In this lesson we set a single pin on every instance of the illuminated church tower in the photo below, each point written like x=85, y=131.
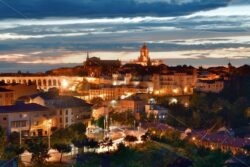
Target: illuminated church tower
x=144, y=56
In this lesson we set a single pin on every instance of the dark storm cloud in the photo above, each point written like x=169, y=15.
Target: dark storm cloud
x=103, y=8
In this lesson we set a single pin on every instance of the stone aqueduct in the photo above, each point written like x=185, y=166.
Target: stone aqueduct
x=46, y=82
x=43, y=82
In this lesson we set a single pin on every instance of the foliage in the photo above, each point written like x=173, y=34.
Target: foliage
x=212, y=158
x=144, y=138
x=83, y=86
x=88, y=160
x=199, y=155
x=39, y=151
x=107, y=142
x=100, y=122
x=92, y=144
x=80, y=144
x=130, y=138
x=62, y=148
x=11, y=151
x=207, y=110
x=14, y=137
x=123, y=118
x=97, y=101
x=65, y=136
x=78, y=129
x=2, y=138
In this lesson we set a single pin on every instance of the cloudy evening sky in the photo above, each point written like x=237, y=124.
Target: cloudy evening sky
x=37, y=35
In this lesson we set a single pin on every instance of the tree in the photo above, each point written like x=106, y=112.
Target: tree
x=80, y=144
x=83, y=86
x=62, y=135
x=39, y=151
x=97, y=101
x=93, y=144
x=213, y=158
x=123, y=118
x=144, y=138
x=14, y=137
x=2, y=139
x=100, y=122
x=62, y=148
x=11, y=151
x=107, y=142
x=130, y=138
x=78, y=129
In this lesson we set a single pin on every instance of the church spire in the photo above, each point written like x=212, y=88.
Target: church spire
x=87, y=56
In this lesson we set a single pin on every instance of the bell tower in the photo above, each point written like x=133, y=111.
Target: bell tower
x=144, y=57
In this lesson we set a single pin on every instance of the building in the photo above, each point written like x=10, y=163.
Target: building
x=144, y=58
x=220, y=140
x=214, y=86
x=6, y=97
x=157, y=111
x=28, y=119
x=134, y=103
x=95, y=67
x=109, y=92
x=20, y=89
x=173, y=83
x=43, y=82
x=100, y=111
x=69, y=109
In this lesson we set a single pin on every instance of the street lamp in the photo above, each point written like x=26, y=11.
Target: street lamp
x=49, y=124
x=65, y=83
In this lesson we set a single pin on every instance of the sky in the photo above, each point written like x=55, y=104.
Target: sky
x=38, y=35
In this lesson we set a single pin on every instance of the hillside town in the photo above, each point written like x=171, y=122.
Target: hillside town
x=115, y=100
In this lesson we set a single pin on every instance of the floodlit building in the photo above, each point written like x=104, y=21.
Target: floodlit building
x=95, y=67
x=214, y=86
x=115, y=92
x=133, y=103
x=69, y=109
x=27, y=119
x=173, y=83
x=20, y=89
x=144, y=58
x=158, y=111
x=6, y=97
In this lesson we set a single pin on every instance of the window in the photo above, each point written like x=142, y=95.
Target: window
x=66, y=119
x=4, y=118
x=66, y=112
x=17, y=124
x=60, y=120
x=23, y=123
x=60, y=112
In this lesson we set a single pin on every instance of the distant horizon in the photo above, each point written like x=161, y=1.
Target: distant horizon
x=195, y=32
x=40, y=67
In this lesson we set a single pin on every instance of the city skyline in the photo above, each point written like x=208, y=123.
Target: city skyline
x=192, y=32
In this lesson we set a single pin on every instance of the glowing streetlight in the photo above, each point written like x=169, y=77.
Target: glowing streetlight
x=173, y=101
x=113, y=103
x=175, y=91
x=185, y=90
x=49, y=125
x=65, y=83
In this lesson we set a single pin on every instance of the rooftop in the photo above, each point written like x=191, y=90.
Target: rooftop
x=5, y=90
x=21, y=107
